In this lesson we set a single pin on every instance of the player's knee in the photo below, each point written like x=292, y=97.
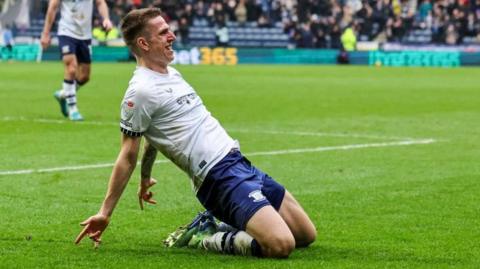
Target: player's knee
x=309, y=237
x=71, y=69
x=306, y=236
x=280, y=246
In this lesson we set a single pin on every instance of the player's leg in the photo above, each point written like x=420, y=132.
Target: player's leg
x=271, y=232
x=67, y=96
x=83, y=74
x=84, y=56
x=239, y=199
x=69, y=88
x=289, y=209
x=249, y=200
x=298, y=221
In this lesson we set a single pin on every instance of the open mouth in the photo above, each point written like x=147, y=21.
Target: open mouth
x=169, y=47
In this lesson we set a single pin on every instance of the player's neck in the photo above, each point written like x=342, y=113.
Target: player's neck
x=160, y=68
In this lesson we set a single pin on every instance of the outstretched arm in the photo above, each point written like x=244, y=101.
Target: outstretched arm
x=124, y=166
x=49, y=19
x=148, y=159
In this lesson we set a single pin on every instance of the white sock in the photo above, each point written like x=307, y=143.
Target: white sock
x=237, y=243
x=69, y=91
x=223, y=227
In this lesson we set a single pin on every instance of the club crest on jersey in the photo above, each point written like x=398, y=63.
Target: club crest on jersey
x=128, y=108
x=257, y=196
x=65, y=49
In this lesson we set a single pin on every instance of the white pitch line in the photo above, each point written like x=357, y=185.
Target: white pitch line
x=259, y=153
x=64, y=168
x=233, y=130
x=8, y=118
x=344, y=147
x=327, y=134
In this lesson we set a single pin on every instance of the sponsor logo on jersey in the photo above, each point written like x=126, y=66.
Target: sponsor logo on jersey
x=202, y=164
x=257, y=196
x=128, y=107
x=186, y=98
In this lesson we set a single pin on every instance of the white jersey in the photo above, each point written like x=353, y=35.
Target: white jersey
x=168, y=112
x=76, y=19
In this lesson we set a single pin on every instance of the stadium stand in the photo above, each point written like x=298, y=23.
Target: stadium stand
x=302, y=23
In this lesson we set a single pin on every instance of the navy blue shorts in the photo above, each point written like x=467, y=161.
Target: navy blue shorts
x=81, y=48
x=234, y=190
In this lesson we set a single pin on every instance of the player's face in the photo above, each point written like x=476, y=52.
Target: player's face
x=160, y=40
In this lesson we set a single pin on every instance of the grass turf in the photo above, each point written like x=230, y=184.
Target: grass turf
x=374, y=207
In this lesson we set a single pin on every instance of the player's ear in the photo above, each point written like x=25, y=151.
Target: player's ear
x=142, y=43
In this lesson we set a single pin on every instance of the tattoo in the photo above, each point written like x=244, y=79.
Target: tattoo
x=147, y=160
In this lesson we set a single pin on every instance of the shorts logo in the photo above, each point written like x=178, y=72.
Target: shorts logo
x=257, y=196
x=65, y=49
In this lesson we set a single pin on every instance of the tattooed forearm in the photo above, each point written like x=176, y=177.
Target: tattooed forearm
x=149, y=155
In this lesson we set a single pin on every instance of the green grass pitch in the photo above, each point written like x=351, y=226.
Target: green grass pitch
x=384, y=160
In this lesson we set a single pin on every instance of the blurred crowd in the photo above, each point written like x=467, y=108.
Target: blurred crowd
x=321, y=23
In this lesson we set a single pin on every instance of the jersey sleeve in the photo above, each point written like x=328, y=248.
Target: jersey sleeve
x=136, y=111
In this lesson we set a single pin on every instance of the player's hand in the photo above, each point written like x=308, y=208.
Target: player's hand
x=94, y=227
x=144, y=194
x=107, y=25
x=45, y=40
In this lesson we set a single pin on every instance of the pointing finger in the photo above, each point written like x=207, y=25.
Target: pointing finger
x=85, y=222
x=81, y=235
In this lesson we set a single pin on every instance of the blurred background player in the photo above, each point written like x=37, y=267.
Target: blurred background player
x=74, y=37
x=161, y=106
x=8, y=41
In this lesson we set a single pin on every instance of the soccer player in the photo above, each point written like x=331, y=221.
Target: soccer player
x=162, y=107
x=9, y=42
x=74, y=40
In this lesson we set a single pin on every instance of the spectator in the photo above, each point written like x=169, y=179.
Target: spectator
x=183, y=30
x=230, y=10
x=424, y=10
x=349, y=40
x=306, y=36
x=241, y=12
x=263, y=21
x=381, y=20
x=98, y=33
x=221, y=34
x=253, y=10
x=8, y=42
x=451, y=35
